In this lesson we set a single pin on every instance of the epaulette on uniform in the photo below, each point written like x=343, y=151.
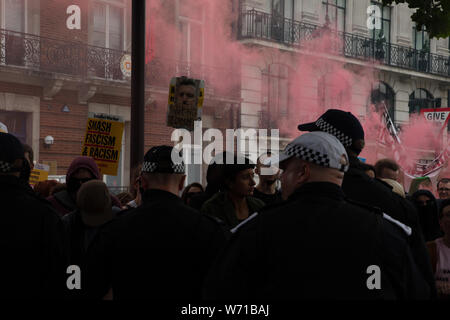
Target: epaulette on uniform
x=385, y=216
x=253, y=216
x=370, y=208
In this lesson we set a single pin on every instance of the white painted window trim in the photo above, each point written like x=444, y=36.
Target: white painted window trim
x=3, y=15
x=108, y=4
x=201, y=23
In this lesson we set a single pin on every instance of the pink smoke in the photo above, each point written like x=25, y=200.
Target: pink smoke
x=345, y=86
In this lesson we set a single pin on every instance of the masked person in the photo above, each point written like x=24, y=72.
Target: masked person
x=81, y=170
x=359, y=187
x=315, y=244
x=33, y=262
x=160, y=250
x=427, y=208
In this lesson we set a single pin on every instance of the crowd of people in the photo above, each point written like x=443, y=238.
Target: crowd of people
x=319, y=224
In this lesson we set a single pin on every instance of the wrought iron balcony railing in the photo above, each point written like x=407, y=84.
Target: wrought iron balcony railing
x=59, y=56
x=81, y=60
x=259, y=25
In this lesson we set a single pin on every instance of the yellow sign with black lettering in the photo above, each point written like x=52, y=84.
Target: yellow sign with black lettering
x=103, y=143
x=39, y=173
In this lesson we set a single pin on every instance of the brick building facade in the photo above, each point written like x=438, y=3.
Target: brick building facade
x=52, y=76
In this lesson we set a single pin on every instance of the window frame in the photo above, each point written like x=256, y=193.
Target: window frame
x=189, y=21
x=122, y=4
x=424, y=35
x=334, y=4
x=273, y=105
x=413, y=97
x=383, y=19
x=388, y=96
x=3, y=16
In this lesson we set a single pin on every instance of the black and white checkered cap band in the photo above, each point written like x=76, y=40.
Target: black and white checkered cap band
x=328, y=128
x=5, y=167
x=308, y=155
x=151, y=167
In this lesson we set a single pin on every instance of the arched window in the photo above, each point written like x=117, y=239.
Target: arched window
x=420, y=99
x=275, y=92
x=333, y=92
x=382, y=95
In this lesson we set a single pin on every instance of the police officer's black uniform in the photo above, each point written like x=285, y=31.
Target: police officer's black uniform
x=360, y=187
x=316, y=245
x=161, y=250
x=33, y=263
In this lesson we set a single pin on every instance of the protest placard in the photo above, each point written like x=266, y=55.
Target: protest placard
x=103, y=142
x=39, y=173
x=186, y=98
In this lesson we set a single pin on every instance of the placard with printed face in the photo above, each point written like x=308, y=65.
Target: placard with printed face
x=186, y=97
x=103, y=142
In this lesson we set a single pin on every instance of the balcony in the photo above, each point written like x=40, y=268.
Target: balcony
x=57, y=56
x=84, y=62
x=262, y=26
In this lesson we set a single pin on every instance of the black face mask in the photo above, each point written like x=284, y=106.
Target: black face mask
x=73, y=185
x=25, y=172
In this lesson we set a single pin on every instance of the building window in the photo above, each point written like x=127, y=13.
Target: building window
x=12, y=18
x=282, y=16
x=13, y=15
x=421, y=39
x=420, y=99
x=383, y=96
x=275, y=93
x=335, y=10
x=107, y=27
x=191, y=22
x=16, y=122
x=333, y=92
x=383, y=34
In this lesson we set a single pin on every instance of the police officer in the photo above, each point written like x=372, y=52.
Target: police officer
x=160, y=250
x=360, y=187
x=315, y=244
x=31, y=238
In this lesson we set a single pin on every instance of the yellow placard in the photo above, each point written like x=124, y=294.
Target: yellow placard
x=103, y=143
x=39, y=173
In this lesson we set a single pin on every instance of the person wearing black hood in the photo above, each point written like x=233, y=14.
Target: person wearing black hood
x=81, y=170
x=359, y=187
x=427, y=208
x=214, y=175
x=31, y=241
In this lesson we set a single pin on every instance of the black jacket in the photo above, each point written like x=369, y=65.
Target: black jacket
x=360, y=187
x=161, y=250
x=33, y=263
x=314, y=246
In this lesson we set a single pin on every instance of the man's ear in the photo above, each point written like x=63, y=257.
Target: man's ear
x=181, y=183
x=303, y=174
x=144, y=181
